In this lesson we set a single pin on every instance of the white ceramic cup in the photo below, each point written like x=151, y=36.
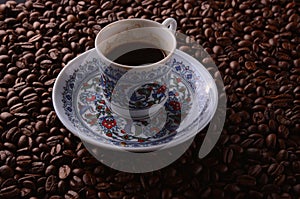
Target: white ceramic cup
x=135, y=91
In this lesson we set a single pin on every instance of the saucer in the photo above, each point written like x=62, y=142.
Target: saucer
x=79, y=103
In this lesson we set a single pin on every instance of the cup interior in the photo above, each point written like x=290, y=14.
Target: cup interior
x=137, y=34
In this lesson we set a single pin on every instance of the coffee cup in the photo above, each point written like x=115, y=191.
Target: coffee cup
x=134, y=56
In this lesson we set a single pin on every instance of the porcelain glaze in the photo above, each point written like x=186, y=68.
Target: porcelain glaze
x=80, y=105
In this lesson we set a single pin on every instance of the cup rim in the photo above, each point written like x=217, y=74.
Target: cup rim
x=142, y=66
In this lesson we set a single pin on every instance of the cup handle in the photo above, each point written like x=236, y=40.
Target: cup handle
x=171, y=24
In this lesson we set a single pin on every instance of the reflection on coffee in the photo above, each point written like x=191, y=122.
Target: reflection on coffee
x=136, y=54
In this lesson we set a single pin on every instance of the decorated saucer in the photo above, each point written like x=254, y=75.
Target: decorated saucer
x=79, y=103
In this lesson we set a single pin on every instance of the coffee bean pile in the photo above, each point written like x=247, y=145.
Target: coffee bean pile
x=256, y=46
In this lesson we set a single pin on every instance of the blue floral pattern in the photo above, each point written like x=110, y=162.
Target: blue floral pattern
x=132, y=80
x=85, y=107
x=147, y=95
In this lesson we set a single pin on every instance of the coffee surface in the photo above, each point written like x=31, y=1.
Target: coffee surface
x=136, y=54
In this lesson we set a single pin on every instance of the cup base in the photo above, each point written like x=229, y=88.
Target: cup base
x=143, y=114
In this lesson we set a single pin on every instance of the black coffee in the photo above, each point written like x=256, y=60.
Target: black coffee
x=136, y=54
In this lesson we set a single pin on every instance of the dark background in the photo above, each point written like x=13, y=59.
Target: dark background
x=256, y=46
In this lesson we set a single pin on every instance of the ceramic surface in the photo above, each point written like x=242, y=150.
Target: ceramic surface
x=148, y=88
x=80, y=105
x=129, y=31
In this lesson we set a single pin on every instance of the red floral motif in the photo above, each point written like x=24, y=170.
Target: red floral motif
x=149, y=88
x=91, y=99
x=109, y=134
x=109, y=123
x=161, y=89
x=125, y=137
x=175, y=105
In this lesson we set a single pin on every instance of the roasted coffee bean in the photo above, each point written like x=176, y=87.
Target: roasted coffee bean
x=228, y=155
x=116, y=194
x=234, y=65
x=271, y=140
x=250, y=65
x=255, y=170
x=76, y=183
x=64, y=171
x=55, y=150
x=297, y=63
x=56, y=197
x=24, y=160
x=28, y=183
x=275, y=169
x=218, y=50
x=6, y=171
x=57, y=160
x=103, y=195
x=9, y=192
x=246, y=180
x=17, y=108
x=224, y=41
x=51, y=169
x=89, y=179
x=37, y=167
x=12, y=101
x=51, y=184
x=282, y=155
x=40, y=126
x=6, y=116
x=103, y=186
x=50, y=120
x=8, y=182
x=123, y=177
x=62, y=186
x=244, y=43
x=71, y=195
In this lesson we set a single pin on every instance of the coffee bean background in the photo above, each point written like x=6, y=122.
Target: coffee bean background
x=256, y=46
